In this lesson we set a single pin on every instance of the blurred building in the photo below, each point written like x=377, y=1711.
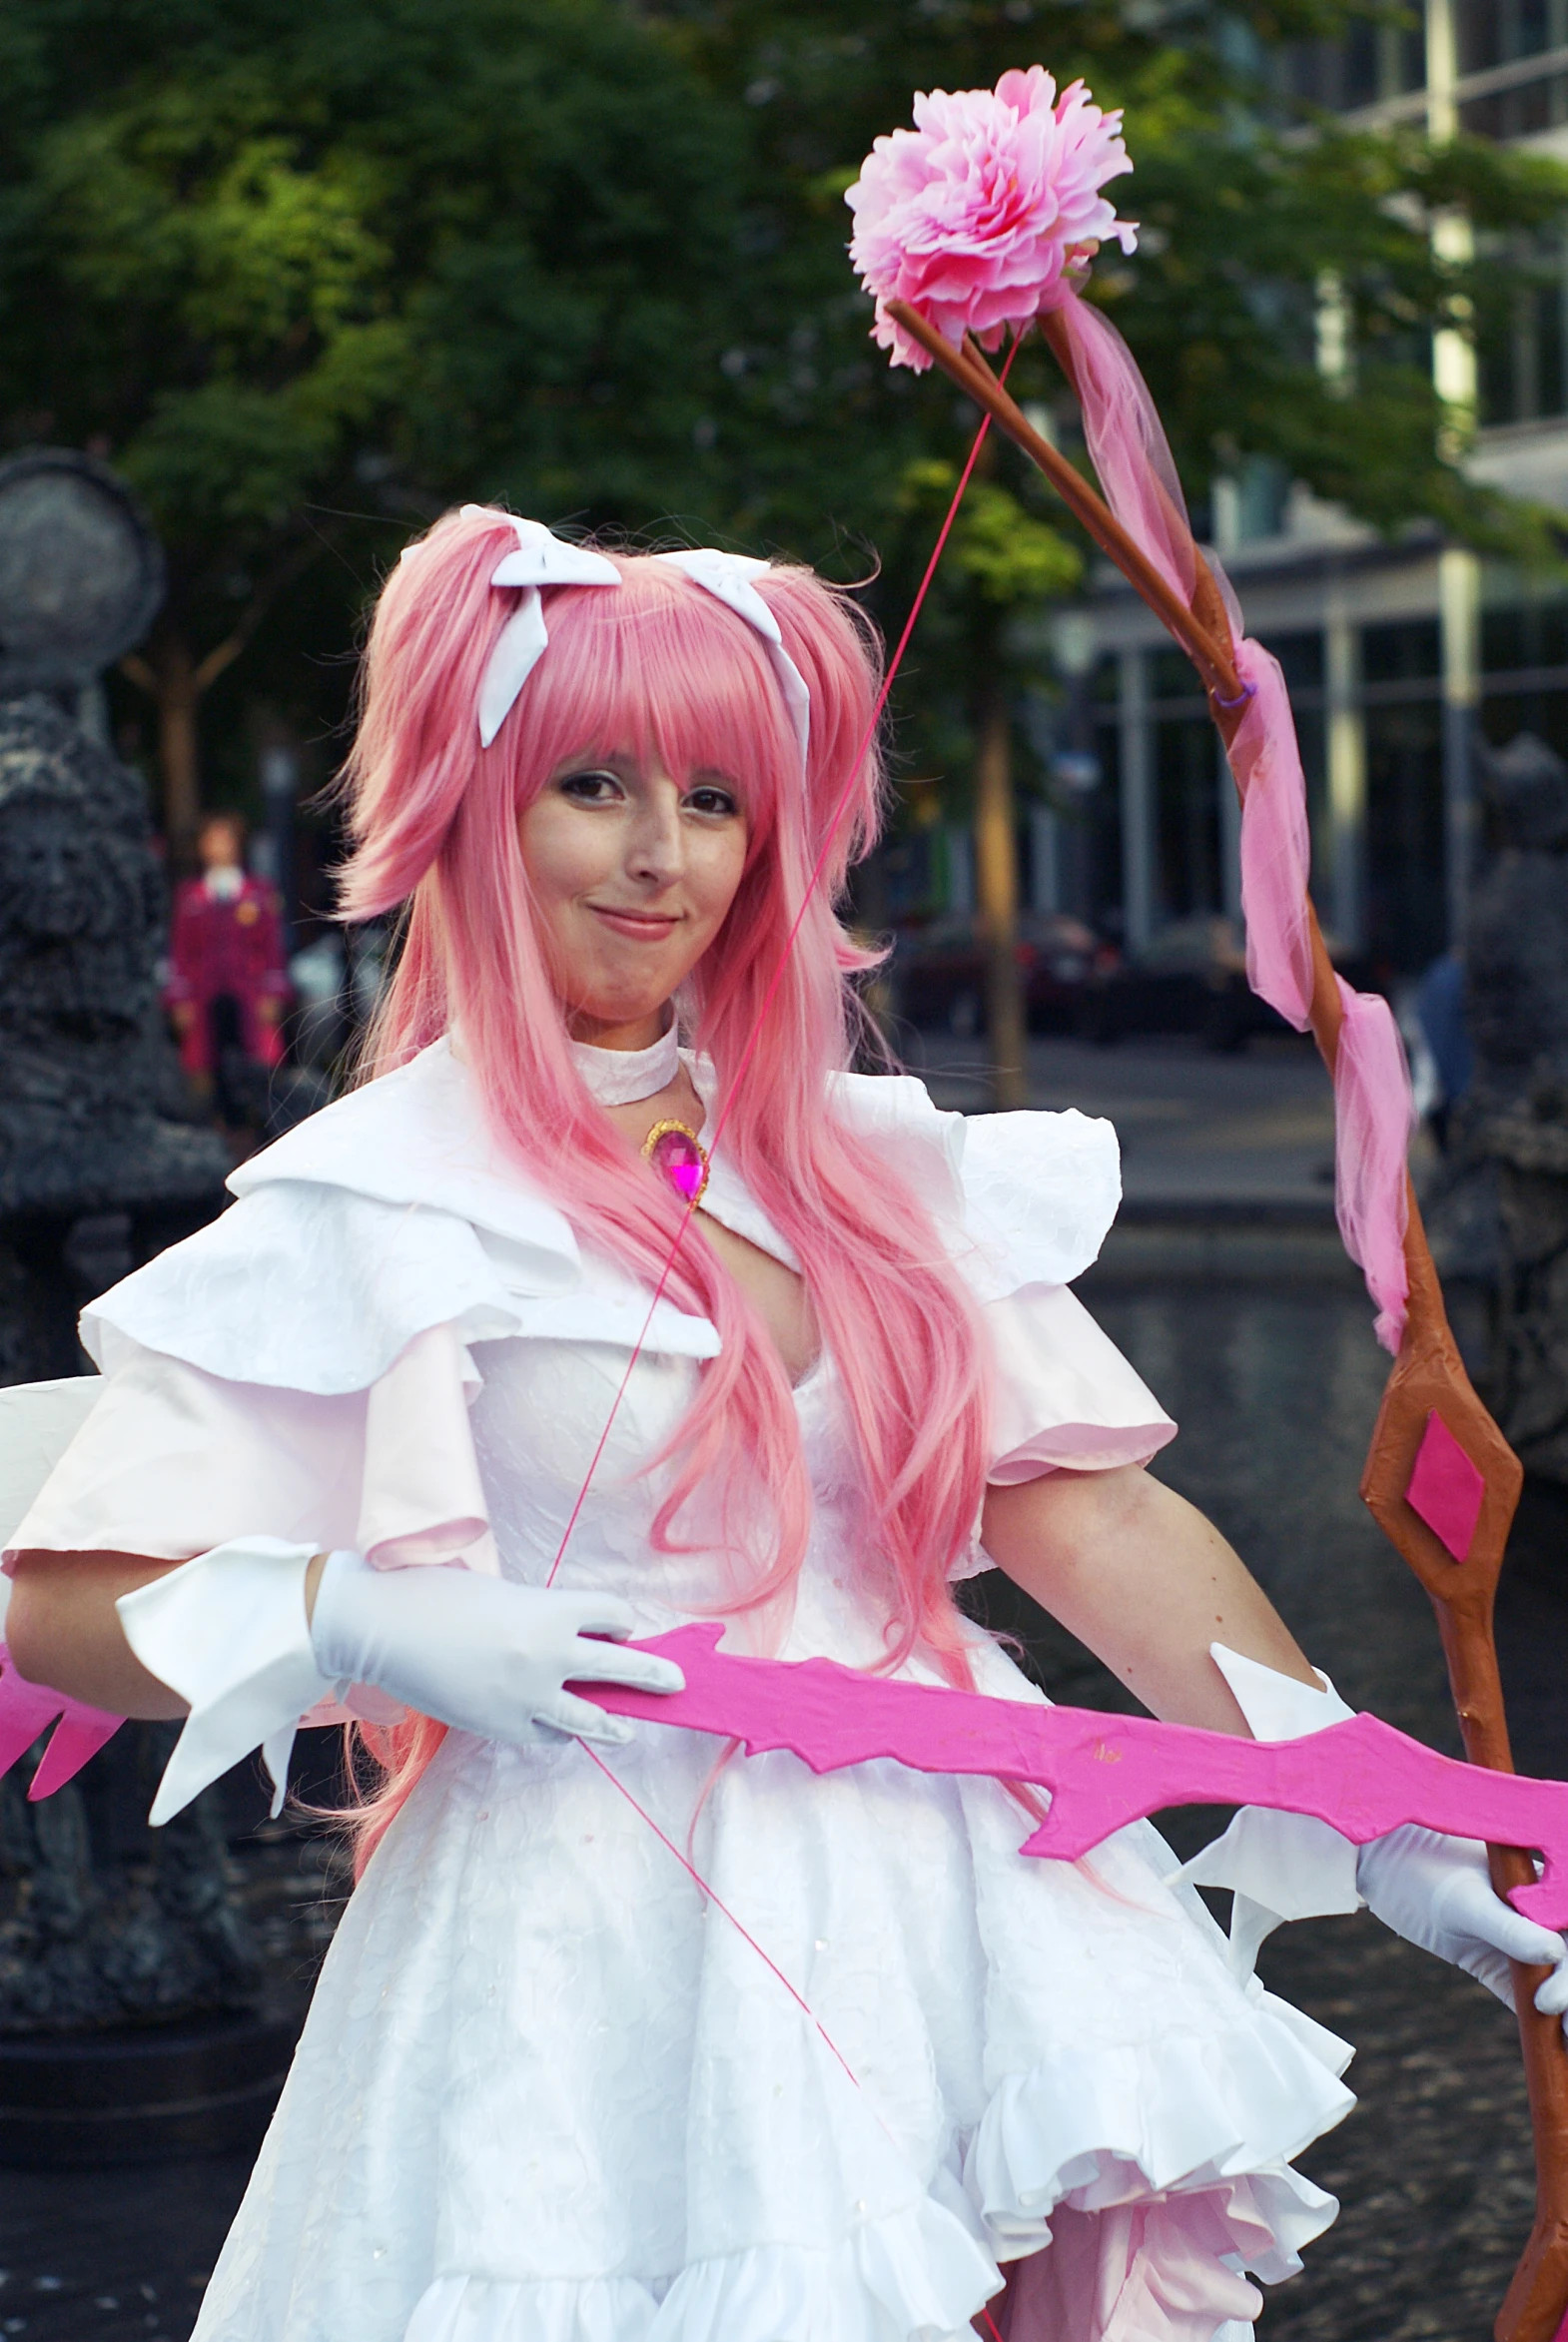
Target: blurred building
x=1396, y=654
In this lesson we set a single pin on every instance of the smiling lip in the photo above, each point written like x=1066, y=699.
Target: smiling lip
x=644, y=925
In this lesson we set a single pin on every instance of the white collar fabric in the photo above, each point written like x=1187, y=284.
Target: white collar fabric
x=620, y=1076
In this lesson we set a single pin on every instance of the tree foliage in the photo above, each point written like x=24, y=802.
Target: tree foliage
x=306, y=274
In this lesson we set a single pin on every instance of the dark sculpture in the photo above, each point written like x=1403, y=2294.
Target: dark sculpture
x=1510, y=1192
x=84, y=1064
x=105, y=1920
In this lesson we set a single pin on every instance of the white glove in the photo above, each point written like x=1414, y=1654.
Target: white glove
x=1435, y=1892
x=1430, y=1889
x=479, y=1653
x=228, y=1632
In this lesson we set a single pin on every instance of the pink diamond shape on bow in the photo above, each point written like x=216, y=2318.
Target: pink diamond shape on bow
x=1445, y=1487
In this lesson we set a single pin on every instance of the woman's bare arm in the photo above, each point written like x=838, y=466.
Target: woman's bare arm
x=1141, y=1576
x=63, y=1630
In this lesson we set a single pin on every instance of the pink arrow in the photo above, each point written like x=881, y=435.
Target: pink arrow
x=1362, y=1777
x=27, y=1709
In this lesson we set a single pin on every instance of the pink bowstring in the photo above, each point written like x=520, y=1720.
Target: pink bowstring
x=719, y=1905
x=1373, y=1107
x=818, y=871
x=28, y=1708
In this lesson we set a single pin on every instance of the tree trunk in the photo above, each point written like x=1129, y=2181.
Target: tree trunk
x=995, y=887
x=178, y=694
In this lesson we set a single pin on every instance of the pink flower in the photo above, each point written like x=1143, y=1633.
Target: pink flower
x=980, y=215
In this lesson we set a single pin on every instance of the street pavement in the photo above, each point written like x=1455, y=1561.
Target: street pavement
x=1266, y=1356
x=1247, y=1133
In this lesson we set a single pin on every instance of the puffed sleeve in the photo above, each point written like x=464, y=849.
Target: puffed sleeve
x=1040, y=1191
x=1024, y=1205
x=1023, y=1202
x=300, y=1369
x=171, y=1461
x=303, y=1369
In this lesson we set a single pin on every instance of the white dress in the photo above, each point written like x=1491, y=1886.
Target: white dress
x=551, y=2088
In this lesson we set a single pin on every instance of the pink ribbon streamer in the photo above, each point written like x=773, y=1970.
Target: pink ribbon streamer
x=1374, y=1115
x=1374, y=1110
x=1276, y=848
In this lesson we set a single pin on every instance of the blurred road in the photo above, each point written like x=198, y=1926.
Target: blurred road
x=1243, y=1316
x=1249, y=1133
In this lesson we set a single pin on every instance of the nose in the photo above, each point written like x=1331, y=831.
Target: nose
x=656, y=845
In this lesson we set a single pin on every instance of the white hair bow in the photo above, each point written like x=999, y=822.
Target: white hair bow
x=541, y=559
x=728, y=578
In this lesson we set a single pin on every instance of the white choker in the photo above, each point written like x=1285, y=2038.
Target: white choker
x=619, y=1077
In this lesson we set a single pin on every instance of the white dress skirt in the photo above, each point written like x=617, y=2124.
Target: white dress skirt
x=642, y=2046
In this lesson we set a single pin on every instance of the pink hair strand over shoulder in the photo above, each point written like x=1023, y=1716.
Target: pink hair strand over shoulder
x=661, y=665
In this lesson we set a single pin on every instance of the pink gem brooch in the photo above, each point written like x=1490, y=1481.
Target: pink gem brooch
x=676, y=1151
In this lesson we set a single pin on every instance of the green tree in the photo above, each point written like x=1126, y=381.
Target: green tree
x=1003, y=556
x=305, y=275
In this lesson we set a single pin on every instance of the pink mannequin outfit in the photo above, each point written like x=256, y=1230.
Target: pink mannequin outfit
x=548, y=2092
x=226, y=942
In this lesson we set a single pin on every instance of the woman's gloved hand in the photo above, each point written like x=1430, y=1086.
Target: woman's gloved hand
x=478, y=1653
x=1432, y=1890
x=1436, y=1892
x=230, y=1632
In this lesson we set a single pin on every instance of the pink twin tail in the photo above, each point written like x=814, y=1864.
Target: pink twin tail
x=665, y=1273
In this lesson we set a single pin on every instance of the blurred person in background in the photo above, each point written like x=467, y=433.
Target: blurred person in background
x=227, y=983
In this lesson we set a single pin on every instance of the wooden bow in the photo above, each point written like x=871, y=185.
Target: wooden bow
x=1428, y=1377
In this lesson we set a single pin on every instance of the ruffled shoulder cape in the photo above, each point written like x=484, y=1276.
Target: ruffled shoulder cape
x=302, y=1365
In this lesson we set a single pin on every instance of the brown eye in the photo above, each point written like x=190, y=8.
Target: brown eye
x=713, y=801
x=590, y=788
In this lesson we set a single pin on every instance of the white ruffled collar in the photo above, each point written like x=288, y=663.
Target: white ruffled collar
x=1021, y=1199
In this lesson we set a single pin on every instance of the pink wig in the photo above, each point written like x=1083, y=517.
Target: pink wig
x=660, y=664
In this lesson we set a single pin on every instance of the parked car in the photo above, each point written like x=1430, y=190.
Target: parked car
x=1189, y=978
x=939, y=970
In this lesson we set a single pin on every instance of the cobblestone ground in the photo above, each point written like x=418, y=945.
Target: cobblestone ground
x=1275, y=1389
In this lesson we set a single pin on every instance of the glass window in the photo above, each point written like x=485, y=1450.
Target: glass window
x=1516, y=113
x=1358, y=75
x=1545, y=713
x=1097, y=818
x=1523, y=333
x=1368, y=66
x=1495, y=32
x=1300, y=656
x=1406, y=906
x=1406, y=652
x=1524, y=634
x=1187, y=818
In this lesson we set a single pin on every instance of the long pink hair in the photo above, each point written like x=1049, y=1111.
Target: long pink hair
x=660, y=664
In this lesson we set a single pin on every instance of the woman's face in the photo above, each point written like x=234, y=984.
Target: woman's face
x=632, y=874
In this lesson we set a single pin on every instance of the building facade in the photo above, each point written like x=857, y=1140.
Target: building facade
x=1404, y=659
